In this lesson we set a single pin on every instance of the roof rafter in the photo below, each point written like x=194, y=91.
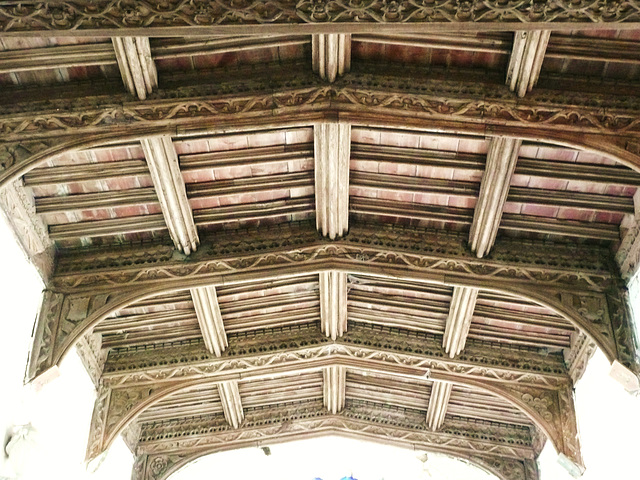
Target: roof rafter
x=528, y=52
x=331, y=55
x=334, y=388
x=165, y=172
x=231, y=402
x=438, y=402
x=463, y=302
x=136, y=65
x=205, y=302
x=333, y=303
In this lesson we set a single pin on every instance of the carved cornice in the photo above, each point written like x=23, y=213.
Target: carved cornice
x=399, y=425
x=157, y=17
x=290, y=347
x=300, y=91
x=441, y=252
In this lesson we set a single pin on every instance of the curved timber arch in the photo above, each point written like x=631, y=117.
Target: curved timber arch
x=79, y=309
x=365, y=99
x=549, y=410
x=502, y=468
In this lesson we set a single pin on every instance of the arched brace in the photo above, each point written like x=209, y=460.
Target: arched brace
x=442, y=109
x=65, y=317
x=550, y=409
x=160, y=466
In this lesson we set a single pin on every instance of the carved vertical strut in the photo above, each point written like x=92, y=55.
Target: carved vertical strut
x=205, y=301
x=331, y=55
x=334, y=388
x=463, y=301
x=501, y=162
x=332, y=144
x=333, y=303
x=165, y=172
x=526, y=60
x=628, y=254
x=231, y=402
x=438, y=402
x=136, y=65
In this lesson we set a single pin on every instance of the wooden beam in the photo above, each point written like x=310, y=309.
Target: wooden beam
x=333, y=303
x=205, y=302
x=104, y=18
x=165, y=172
x=332, y=143
x=463, y=302
x=438, y=402
x=501, y=163
x=173, y=446
x=334, y=388
x=136, y=65
x=526, y=60
x=231, y=402
x=331, y=55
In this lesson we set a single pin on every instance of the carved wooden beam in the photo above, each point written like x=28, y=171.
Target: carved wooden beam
x=463, y=302
x=165, y=172
x=438, y=402
x=88, y=288
x=205, y=301
x=72, y=17
x=526, y=60
x=501, y=163
x=333, y=303
x=506, y=452
x=231, y=402
x=549, y=408
x=34, y=132
x=334, y=387
x=332, y=143
x=331, y=55
x=137, y=68
x=628, y=254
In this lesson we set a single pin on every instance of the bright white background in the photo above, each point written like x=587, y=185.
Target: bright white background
x=609, y=419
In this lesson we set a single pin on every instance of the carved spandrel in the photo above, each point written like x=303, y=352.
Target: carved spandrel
x=554, y=412
x=508, y=468
x=156, y=467
x=63, y=319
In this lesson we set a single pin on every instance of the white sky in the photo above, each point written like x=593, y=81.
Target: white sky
x=609, y=420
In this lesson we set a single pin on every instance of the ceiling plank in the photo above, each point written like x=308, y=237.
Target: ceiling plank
x=526, y=60
x=231, y=402
x=332, y=144
x=333, y=303
x=205, y=302
x=165, y=172
x=501, y=163
x=438, y=402
x=463, y=302
x=136, y=65
x=334, y=388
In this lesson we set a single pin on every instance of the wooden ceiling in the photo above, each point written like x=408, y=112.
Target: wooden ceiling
x=459, y=364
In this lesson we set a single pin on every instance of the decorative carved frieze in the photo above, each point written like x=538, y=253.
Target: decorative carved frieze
x=331, y=55
x=390, y=100
x=165, y=17
x=463, y=302
x=285, y=422
x=333, y=303
x=438, y=402
x=334, y=385
x=205, y=302
x=526, y=59
x=293, y=345
x=332, y=143
x=162, y=160
x=501, y=163
x=140, y=389
x=137, y=68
